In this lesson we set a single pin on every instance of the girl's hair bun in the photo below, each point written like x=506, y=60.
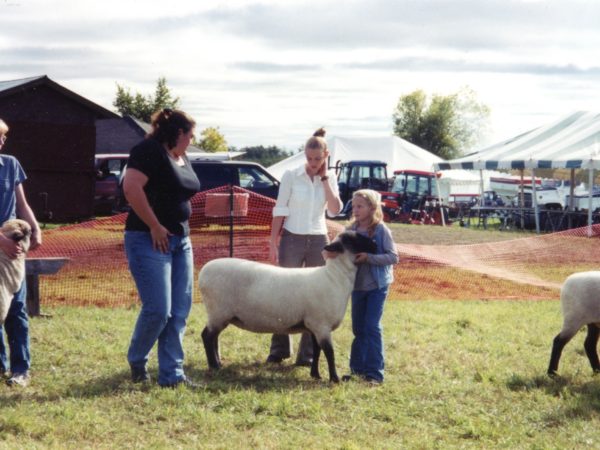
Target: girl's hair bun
x=320, y=132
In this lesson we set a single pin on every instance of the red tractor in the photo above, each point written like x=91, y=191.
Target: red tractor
x=414, y=199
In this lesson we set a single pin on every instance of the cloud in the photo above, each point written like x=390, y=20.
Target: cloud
x=462, y=25
x=267, y=71
x=268, y=67
x=448, y=65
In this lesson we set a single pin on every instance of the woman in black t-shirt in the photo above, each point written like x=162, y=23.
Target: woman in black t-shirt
x=158, y=185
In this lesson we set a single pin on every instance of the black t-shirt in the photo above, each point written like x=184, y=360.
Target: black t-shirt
x=169, y=187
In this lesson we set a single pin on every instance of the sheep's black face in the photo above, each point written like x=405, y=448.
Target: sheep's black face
x=353, y=243
x=16, y=229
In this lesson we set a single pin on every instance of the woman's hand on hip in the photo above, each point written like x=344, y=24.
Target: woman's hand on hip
x=160, y=238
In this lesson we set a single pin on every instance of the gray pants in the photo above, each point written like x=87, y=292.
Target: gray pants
x=298, y=250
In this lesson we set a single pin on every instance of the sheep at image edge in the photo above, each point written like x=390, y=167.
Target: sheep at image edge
x=580, y=302
x=12, y=271
x=268, y=299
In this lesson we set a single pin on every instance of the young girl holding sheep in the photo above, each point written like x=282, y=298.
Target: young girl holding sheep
x=375, y=274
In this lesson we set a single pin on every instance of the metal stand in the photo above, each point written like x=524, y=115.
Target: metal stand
x=229, y=204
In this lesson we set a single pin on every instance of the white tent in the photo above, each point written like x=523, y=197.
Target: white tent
x=572, y=142
x=396, y=152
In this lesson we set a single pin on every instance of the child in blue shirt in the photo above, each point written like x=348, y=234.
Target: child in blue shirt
x=374, y=276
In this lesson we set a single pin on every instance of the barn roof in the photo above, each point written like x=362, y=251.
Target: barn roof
x=11, y=87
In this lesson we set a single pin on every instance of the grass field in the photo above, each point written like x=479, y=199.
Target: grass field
x=458, y=375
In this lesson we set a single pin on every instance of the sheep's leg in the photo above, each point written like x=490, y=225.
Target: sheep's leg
x=327, y=347
x=558, y=344
x=590, y=344
x=314, y=368
x=211, y=347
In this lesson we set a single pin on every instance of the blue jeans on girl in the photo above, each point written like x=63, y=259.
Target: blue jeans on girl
x=17, y=333
x=366, y=354
x=164, y=282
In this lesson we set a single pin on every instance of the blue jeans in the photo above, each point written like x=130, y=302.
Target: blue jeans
x=366, y=354
x=164, y=282
x=17, y=332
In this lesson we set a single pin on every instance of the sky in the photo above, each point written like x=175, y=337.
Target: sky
x=270, y=72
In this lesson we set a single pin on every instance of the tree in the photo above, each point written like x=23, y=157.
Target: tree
x=266, y=156
x=212, y=140
x=142, y=107
x=444, y=125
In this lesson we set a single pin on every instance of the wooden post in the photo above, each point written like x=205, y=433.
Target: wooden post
x=34, y=267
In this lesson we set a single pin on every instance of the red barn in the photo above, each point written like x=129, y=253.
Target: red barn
x=53, y=134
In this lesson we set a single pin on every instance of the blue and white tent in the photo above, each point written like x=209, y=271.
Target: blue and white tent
x=573, y=142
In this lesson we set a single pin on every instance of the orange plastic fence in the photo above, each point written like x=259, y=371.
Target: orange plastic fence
x=527, y=268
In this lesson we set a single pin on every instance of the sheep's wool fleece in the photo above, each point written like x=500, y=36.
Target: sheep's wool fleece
x=12, y=273
x=266, y=298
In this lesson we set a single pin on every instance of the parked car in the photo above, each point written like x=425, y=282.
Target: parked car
x=108, y=196
x=212, y=171
x=249, y=175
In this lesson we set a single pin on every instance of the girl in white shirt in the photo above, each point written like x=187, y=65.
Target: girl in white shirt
x=299, y=229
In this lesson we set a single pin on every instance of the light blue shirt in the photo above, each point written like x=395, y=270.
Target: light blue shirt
x=11, y=175
x=378, y=271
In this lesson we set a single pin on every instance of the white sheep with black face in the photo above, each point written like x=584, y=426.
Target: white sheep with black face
x=580, y=303
x=269, y=299
x=12, y=271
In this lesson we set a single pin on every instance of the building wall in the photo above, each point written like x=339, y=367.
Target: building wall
x=54, y=138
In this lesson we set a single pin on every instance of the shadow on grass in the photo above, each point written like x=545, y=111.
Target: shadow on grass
x=259, y=377
x=578, y=401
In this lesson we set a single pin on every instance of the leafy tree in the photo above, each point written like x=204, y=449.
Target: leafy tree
x=212, y=140
x=266, y=156
x=444, y=125
x=142, y=107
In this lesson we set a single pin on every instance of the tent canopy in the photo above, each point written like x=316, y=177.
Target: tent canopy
x=573, y=142
x=396, y=152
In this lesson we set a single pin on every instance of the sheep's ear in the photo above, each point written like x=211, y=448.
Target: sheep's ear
x=335, y=247
x=357, y=243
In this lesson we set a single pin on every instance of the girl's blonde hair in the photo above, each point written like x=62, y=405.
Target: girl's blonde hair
x=3, y=127
x=373, y=199
x=317, y=141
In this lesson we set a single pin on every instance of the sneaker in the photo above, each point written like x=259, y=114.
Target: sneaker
x=186, y=382
x=139, y=375
x=373, y=381
x=19, y=379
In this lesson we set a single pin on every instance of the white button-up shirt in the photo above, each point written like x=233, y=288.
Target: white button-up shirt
x=302, y=201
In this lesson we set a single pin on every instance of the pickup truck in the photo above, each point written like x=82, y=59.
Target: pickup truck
x=546, y=197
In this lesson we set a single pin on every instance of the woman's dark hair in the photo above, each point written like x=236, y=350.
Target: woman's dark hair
x=317, y=140
x=166, y=124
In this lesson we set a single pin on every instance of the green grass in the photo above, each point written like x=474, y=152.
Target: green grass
x=458, y=375
x=452, y=235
